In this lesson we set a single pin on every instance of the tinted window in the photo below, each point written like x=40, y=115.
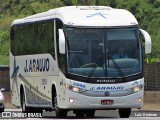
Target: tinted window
x=35, y=38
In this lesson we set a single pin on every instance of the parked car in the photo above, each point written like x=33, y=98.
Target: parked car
x=1, y=100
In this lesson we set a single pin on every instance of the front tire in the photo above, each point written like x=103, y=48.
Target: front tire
x=60, y=113
x=125, y=112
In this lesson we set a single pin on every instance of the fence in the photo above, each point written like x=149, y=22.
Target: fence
x=151, y=77
x=4, y=78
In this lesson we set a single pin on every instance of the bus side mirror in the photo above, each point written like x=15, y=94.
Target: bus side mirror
x=61, y=41
x=147, y=41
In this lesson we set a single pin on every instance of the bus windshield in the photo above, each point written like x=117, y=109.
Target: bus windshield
x=103, y=53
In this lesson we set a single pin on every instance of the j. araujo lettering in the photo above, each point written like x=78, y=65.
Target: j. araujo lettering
x=108, y=88
x=37, y=65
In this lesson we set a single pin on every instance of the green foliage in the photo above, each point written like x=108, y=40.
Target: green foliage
x=4, y=36
x=4, y=60
x=147, y=12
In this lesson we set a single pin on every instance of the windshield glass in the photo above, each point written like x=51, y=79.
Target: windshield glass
x=106, y=53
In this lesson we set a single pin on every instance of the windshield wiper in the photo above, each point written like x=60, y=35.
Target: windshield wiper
x=118, y=68
x=99, y=60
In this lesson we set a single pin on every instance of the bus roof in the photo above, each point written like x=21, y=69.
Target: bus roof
x=85, y=16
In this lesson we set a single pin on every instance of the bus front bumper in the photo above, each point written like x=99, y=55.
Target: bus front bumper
x=79, y=101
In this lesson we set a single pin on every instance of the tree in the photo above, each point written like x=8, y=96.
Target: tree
x=97, y=2
x=68, y=2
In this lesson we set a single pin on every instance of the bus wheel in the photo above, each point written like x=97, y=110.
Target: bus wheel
x=61, y=113
x=90, y=113
x=23, y=103
x=125, y=112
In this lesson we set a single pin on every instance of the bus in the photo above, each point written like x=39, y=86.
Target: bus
x=63, y=60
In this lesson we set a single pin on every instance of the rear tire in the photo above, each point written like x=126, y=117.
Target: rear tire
x=60, y=113
x=25, y=109
x=125, y=112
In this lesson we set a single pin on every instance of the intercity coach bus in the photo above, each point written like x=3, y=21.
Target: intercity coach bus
x=63, y=60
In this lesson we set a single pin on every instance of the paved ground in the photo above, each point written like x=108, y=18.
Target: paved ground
x=151, y=101
x=7, y=97
x=151, y=104
x=99, y=115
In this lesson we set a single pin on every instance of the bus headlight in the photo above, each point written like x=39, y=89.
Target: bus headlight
x=137, y=88
x=73, y=88
x=67, y=86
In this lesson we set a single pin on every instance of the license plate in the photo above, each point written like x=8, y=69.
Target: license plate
x=107, y=102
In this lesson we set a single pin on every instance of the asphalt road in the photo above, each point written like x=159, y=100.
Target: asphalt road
x=99, y=115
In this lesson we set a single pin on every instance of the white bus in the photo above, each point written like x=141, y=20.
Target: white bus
x=67, y=59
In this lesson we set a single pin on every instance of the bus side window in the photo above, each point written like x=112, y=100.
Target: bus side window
x=51, y=45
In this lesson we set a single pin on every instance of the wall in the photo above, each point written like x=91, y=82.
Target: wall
x=151, y=75
x=4, y=78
